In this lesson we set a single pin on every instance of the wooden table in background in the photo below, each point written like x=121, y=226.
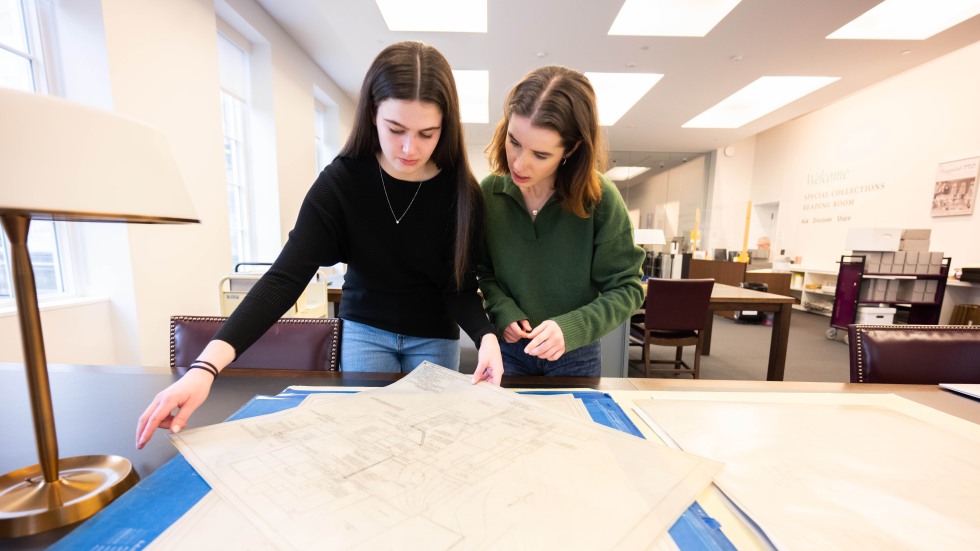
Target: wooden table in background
x=728, y=297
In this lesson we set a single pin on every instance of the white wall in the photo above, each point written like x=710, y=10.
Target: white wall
x=162, y=68
x=869, y=160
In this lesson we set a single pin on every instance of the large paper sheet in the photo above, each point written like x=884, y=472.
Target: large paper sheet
x=434, y=462
x=836, y=471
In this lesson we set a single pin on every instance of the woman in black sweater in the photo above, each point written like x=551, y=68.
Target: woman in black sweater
x=401, y=208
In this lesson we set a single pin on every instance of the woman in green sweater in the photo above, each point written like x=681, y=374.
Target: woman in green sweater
x=560, y=268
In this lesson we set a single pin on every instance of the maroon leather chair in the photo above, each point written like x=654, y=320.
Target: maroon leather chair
x=291, y=344
x=914, y=354
x=674, y=315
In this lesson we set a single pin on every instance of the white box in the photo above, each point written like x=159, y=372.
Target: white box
x=900, y=257
x=916, y=234
x=873, y=239
x=877, y=315
x=913, y=245
x=911, y=257
x=936, y=257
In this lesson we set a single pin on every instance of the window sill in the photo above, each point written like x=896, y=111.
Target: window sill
x=10, y=309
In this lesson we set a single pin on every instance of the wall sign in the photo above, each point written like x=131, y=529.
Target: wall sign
x=956, y=187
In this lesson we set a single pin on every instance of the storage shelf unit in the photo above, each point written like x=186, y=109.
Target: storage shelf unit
x=813, y=289
x=924, y=307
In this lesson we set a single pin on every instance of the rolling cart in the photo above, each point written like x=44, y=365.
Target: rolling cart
x=924, y=301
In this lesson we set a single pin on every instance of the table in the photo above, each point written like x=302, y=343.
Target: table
x=728, y=297
x=96, y=408
x=723, y=297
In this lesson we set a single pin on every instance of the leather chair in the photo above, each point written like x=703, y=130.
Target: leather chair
x=675, y=314
x=914, y=354
x=292, y=344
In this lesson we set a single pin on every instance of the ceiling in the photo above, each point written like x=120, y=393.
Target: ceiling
x=759, y=37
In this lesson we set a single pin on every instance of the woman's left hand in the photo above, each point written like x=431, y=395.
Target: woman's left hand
x=489, y=365
x=547, y=341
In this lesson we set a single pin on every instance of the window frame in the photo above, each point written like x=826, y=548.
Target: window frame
x=41, y=37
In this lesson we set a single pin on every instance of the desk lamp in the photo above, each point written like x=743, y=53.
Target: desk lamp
x=649, y=237
x=65, y=162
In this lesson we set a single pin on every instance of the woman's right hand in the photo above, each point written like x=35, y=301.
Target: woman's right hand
x=516, y=331
x=185, y=395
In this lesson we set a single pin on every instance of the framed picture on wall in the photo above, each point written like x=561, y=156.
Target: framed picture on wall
x=955, y=192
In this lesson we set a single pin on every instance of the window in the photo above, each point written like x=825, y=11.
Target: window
x=234, y=65
x=22, y=68
x=323, y=153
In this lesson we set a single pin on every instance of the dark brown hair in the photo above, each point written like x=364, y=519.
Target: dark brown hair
x=413, y=71
x=560, y=99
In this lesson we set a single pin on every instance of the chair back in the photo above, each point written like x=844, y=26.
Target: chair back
x=677, y=304
x=294, y=344
x=914, y=354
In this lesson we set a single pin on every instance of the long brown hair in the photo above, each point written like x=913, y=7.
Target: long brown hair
x=560, y=99
x=413, y=71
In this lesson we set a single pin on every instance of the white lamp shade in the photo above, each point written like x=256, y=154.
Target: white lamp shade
x=64, y=161
x=649, y=237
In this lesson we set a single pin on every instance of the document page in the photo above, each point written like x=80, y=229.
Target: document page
x=836, y=471
x=434, y=462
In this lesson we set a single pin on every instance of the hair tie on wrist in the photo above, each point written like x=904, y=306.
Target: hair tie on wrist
x=206, y=366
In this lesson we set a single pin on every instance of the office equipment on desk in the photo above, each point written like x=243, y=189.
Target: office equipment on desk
x=122, y=171
x=312, y=303
x=648, y=236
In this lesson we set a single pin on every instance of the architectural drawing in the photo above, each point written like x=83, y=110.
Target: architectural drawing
x=435, y=462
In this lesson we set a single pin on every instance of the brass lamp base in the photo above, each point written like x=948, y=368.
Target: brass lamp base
x=86, y=484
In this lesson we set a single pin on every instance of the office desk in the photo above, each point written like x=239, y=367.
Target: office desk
x=728, y=297
x=96, y=408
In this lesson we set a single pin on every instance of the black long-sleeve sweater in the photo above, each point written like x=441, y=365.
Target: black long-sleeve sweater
x=399, y=276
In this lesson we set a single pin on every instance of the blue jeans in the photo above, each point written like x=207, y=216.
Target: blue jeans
x=366, y=348
x=581, y=362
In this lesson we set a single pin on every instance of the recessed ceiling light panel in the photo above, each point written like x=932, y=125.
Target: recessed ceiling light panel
x=451, y=16
x=623, y=173
x=908, y=20
x=617, y=93
x=670, y=17
x=763, y=96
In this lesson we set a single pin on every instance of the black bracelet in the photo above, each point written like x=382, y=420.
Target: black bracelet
x=201, y=367
x=207, y=366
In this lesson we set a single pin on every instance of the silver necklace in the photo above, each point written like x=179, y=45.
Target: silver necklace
x=398, y=219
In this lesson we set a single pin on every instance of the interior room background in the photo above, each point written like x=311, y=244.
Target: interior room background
x=875, y=154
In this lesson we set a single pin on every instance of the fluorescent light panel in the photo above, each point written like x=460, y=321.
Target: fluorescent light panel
x=908, y=20
x=757, y=99
x=474, y=95
x=623, y=173
x=451, y=16
x=670, y=17
x=617, y=93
